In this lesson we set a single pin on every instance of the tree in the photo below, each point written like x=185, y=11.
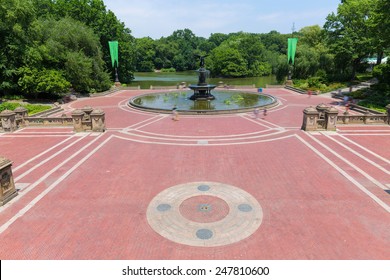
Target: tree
x=275, y=42
x=187, y=43
x=312, y=36
x=349, y=34
x=218, y=38
x=106, y=26
x=166, y=50
x=227, y=61
x=64, y=44
x=241, y=55
x=307, y=62
x=379, y=24
x=313, y=55
x=145, y=49
x=16, y=19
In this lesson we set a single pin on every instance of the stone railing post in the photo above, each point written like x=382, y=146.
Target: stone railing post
x=87, y=110
x=388, y=113
x=310, y=119
x=346, y=117
x=98, y=120
x=21, y=115
x=331, y=118
x=7, y=185
x=77, y=116
x=366, y=117
x=8, y=121
x=321, y=108
x=87, y=123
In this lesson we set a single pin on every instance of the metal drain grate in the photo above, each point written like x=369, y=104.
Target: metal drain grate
x=203, y=142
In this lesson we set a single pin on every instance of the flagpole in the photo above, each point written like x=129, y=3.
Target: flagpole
x=116, y=75
x=291, y=49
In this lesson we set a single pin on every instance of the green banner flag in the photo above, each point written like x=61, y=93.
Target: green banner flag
x=114, y=52
x=292, y=47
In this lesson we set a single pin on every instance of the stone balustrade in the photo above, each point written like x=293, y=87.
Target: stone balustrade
x=324, y=117
x=82, y=120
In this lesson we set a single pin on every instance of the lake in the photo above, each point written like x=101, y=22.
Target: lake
x=146, y=79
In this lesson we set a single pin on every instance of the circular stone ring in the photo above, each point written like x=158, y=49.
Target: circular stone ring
x=204, y=214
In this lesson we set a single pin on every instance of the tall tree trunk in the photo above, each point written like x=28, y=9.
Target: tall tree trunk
x=379, y=58
x=355, y=66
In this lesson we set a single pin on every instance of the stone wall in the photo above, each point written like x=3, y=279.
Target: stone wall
x=324, y=117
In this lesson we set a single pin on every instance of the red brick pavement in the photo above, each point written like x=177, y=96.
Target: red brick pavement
x=92, y=199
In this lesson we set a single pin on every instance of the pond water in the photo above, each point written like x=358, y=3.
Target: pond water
x=146, y=79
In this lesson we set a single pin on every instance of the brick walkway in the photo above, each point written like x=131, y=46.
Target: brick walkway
x=86, y=196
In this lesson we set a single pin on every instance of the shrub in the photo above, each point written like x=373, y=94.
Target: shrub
x=168, y=70
x=382, y=73
x=31, y=108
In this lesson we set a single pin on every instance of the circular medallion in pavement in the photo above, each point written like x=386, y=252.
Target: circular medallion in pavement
x=204, y=214
x=204, y=209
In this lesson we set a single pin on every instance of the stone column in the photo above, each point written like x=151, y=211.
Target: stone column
x=7, y=185
x=98, y=120
x=310, y=118
x=77, y=116
x=331, y=118
x=8, y=120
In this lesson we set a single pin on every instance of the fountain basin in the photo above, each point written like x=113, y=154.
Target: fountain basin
x=202, y=92
x=225, y=102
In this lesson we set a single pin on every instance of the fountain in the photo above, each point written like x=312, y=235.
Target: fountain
x=202, y=90
x=204, y=99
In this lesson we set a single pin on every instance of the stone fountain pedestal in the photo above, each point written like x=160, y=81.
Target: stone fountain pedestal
x=202, y=90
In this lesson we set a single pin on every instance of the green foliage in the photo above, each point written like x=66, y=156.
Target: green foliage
x=63, y=44
x=376, y=97
x=36, y=108
x=13, y=97
x=350, y=34
x=235, y=98
x=382, y=73
x=33, y=81
x=105, y=25
x=31, y=108
x=8, y=106
x=168, y=70
x=146, y=52
x=227, y=61
x=241, y=55
x=317, y=84
x=54, y=45
x=16, y=18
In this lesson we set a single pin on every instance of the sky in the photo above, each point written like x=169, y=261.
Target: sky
x=160, y=18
